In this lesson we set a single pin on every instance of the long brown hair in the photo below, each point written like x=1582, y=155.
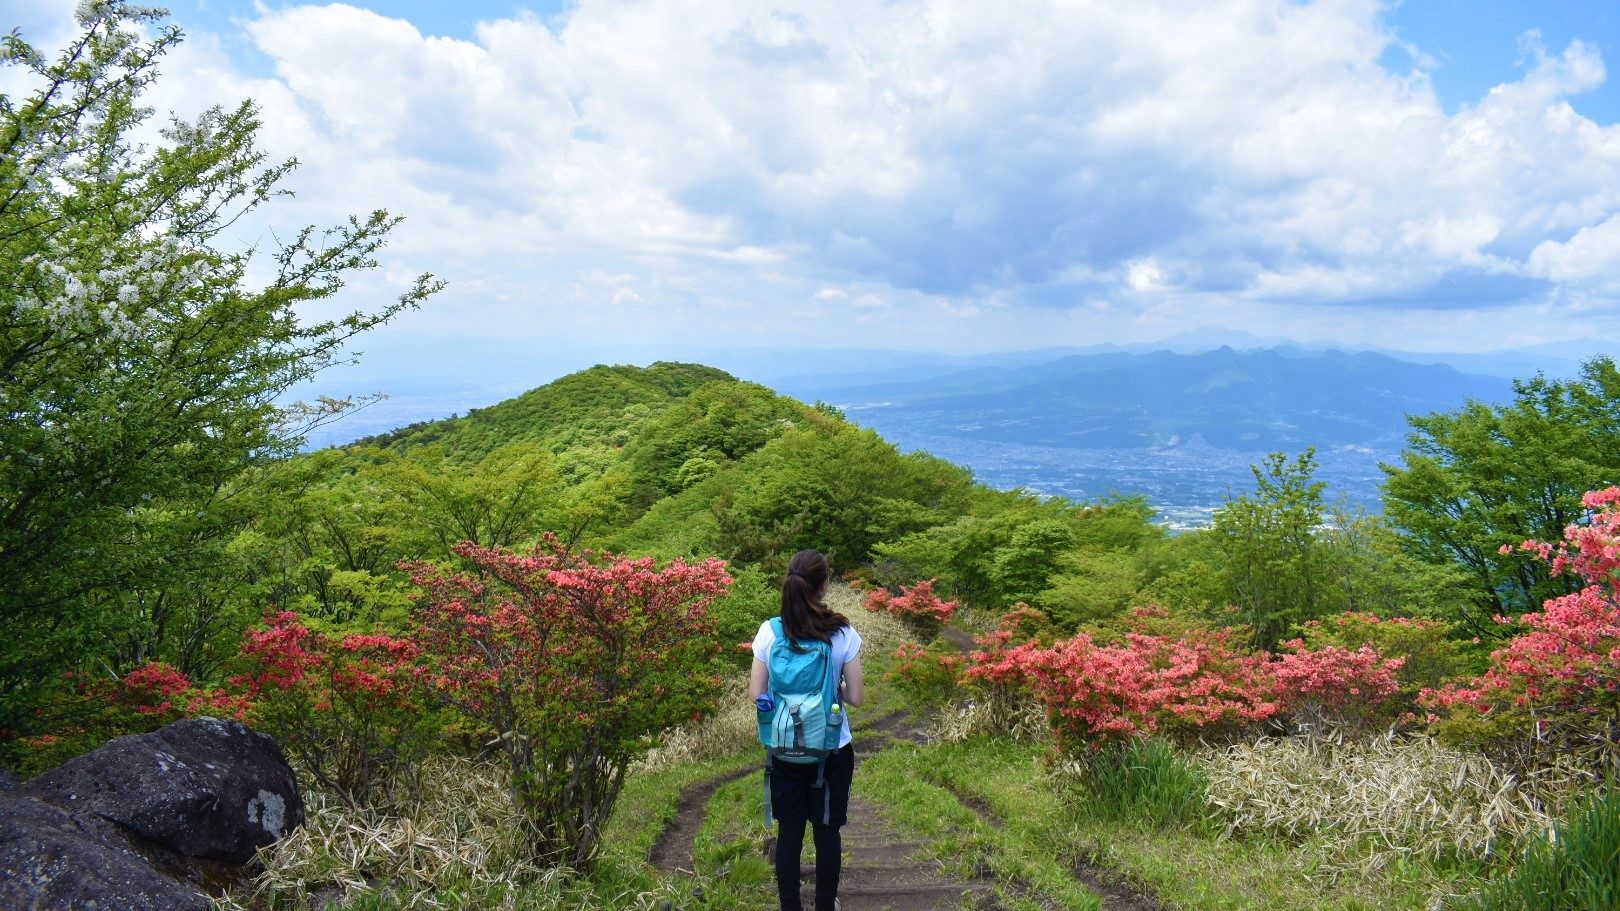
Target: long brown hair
x=804, y=614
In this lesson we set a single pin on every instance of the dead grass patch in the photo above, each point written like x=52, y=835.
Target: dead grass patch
x=1370, y=801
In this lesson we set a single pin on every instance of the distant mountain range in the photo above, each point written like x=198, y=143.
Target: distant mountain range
x=1177, y=422
x=1181, y=428
x=1273, y=399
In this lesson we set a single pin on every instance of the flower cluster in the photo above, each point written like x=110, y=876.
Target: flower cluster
x=1096, y=692
x=1334, y=683
x=159, y=690
x=286, y=654
x=917, y=606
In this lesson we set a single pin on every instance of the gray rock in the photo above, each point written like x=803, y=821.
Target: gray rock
x=202, y=788
x=50, y=861
x=7, y=780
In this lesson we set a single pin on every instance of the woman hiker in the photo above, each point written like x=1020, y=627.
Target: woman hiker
x=795, y=799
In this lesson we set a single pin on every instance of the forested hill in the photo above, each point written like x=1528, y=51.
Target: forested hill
x=1181, y=429
x=573, y=410
x=670, y=458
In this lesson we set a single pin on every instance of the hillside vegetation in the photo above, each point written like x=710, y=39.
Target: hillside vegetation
x=1279, y=605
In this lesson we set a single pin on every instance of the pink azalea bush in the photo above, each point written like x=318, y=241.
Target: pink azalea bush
x=574, y=663
x=1432, y=651
x=94, y=709
x=1095, y=692
x=922, y=611
x=345, y=707
x=1193, y=684
x=1555, y=687
x=1333, y=684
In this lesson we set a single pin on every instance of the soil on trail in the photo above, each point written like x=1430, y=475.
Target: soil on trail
x=672, y=852
x=884, y=869
x=961, y=638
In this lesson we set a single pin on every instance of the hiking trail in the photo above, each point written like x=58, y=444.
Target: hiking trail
x=884, y=870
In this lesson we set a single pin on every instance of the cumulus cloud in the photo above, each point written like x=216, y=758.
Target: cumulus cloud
x=996, y=171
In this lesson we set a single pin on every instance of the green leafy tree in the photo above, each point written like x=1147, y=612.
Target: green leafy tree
x=717, y=424
x=1271, y=562
x=1367, y=569
x=1093, y=586
x=500, y=500
x=830, y=485
x=1483, y=476
x=1012, y=545
x=140, y=365
x=1022, y=567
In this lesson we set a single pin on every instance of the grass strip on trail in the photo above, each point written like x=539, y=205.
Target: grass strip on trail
x=1031, y=873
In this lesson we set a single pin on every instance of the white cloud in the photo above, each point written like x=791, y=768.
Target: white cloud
x=1592, y=253
x=1133, y=165
x=1145, y=275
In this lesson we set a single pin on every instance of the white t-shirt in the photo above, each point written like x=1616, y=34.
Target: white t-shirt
x=846, y=644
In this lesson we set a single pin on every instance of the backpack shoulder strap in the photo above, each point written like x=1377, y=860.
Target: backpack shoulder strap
x=835, y=674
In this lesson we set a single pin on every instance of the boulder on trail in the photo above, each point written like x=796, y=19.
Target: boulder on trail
x=49, y=861
x=203, y=787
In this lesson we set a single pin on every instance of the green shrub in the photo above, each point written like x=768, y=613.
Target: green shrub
x=754, y=598
x=929, y=676
x=1576, y=870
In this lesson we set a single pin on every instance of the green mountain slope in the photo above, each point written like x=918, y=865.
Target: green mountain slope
x=686, y=459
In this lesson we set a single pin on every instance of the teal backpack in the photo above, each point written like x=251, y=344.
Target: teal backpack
x=805, y=723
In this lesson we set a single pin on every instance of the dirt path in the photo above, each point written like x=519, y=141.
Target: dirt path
x=672, y=852
x=882, y=870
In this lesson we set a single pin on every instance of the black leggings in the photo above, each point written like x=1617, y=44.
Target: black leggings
x=829, y=857
x=796, y=800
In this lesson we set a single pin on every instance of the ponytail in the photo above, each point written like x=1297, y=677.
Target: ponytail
x=804, y=614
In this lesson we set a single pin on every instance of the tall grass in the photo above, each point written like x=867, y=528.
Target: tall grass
x=1146, y=779
x=1578, y=869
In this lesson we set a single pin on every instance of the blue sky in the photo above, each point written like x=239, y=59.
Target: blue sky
x=959, y=175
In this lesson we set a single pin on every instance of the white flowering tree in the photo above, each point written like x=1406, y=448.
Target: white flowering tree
x=139, y=370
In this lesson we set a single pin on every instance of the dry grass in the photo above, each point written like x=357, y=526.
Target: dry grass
x=1369, y=802
x=463, y=830
x=881, y=634
x=729, y=731
x=1020, y=719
